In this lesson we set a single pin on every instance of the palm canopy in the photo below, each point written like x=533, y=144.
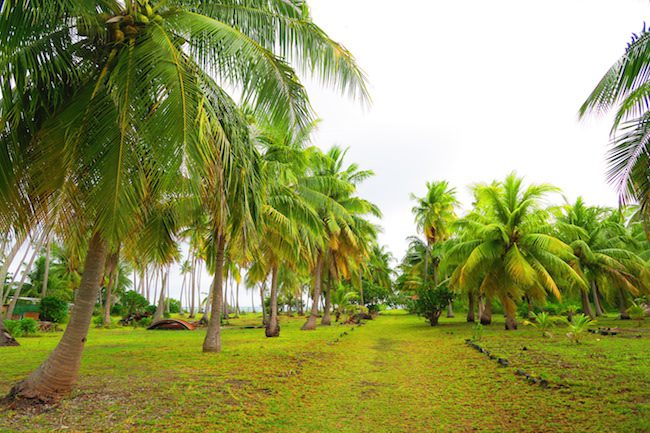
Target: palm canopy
x=625, y=89
x=435, y=212
x=601, y=248
x=507, y=250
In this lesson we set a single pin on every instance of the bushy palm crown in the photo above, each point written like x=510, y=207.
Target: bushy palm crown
x=599, y=242
x=625, y=88
x=122, y=97
x=435, y=212
x=506, y=249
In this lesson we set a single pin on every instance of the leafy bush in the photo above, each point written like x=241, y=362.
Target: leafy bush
x=133, y=302
x=431, y=302
x=636, y=312
x=98, y=321
x=53, y=309
x=145, y=322
x=21, y=328
x=542, y=321
x=151, y=309
x=174, y=306
x=117, y=310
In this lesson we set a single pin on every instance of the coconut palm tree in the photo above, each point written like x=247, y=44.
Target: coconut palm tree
x=434, y=215
x=512, y=253
x=624, y=89
x=598, y=241
x=121, y=95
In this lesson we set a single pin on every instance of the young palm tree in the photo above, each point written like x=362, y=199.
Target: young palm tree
x=434, y=215
x=124, y=94
x=511, y=253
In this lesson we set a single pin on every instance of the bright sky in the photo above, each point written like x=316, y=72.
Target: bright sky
x=467, y=91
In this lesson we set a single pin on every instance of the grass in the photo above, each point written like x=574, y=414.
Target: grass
x=394, y=374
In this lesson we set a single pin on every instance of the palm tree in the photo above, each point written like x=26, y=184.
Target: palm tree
x=434, y=214
x=598, y=242
x=121, y=95
x=511, y=254
x=624, y=88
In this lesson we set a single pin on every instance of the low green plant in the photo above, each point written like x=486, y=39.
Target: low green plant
x=636, y=312
x=570, y=311
x=542, y=321
x=21, y=328
x=578, y=327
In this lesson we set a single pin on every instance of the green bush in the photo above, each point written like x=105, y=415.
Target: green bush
x=21, y=328
x=53, y=309
x=117, y=310
x=151, y=309
x=174, y=305
x=145, y=322
x=431, y=302
x=133, y=302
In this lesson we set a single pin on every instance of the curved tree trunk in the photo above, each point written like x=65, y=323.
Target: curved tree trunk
x=5, y=338
x=511, y=309
x=273, y=326
x=596, y=298
x=193, y=297
x=622, y=305
x=212, y=342
x=486, y=314
x=327, y=318
x=310, y=324
x=433, y=317
x=57, y=375
x=14, y=299
x=586, y=307
x=470, y=308
x=6, y=263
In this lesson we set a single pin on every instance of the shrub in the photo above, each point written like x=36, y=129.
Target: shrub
x=53, y=309
x=133, y=302
x=13, y=328
x=29, y=326
x=542, y=321
x=431, y=302
x=145, y=322
x=174, y=305
x=636, y=312
x=151, y=309
x=21, y=328
x=117, y=310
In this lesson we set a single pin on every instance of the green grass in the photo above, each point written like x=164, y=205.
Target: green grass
x=394, y=374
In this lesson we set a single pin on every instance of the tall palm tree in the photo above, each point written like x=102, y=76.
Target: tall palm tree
x=124, y=94
x=625, y=89
x=512, y=254
x=434, y=214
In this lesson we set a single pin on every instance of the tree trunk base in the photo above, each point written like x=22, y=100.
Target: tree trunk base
x=272, y=331
x=7, y=340
x=310, y=324
x=326, y=320
x=486, y=320
x=624, y=316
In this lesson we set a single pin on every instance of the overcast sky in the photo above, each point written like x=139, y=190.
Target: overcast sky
x=467, y=91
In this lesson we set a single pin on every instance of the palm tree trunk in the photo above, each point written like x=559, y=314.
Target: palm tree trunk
x=237, y=301
x=470, y=307
x=46, y=272
x=5, y=338
x=160, y=309
x=310, y=324
x=594, y=294
x=193, y=298
x=622, y=305
x=486, y=314
x=327, y=318
x=586, y=307
x=273, y=325
x=511, y=308
x=450, y=310
x=56, y=376
x=262, y=290
x=212, y=342
x=14, y=300
x=225, y=295
x=253, y=299
x=208, y=305
x=112, y=279
x=8, y=259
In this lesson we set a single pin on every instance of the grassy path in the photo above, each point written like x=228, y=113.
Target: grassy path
x=394, y=374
